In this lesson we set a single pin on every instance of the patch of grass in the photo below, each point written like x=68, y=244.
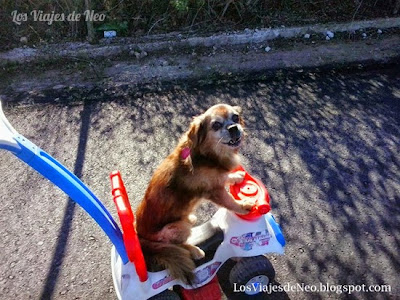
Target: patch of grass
x=135, y=18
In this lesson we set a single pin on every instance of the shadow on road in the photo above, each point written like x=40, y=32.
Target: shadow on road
x=325, y=144
x=334, y=170
x=69, y=211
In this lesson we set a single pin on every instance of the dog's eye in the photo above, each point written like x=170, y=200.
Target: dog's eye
x=216, y=126
x=235, y=118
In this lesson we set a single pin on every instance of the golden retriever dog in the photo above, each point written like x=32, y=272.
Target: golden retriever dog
x=198, y=168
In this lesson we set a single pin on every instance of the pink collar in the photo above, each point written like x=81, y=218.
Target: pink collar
x=185, y=153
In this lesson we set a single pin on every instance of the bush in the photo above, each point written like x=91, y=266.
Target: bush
x=135, y=17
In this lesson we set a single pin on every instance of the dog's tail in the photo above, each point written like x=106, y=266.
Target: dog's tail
x=173, y=257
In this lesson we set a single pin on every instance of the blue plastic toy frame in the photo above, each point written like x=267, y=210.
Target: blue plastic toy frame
x=54, y=171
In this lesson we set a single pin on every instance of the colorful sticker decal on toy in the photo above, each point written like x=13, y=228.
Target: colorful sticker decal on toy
x=249, y=240
x=161, y=282
x=207, y=272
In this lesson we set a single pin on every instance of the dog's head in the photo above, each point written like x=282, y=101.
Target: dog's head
x=217, y=132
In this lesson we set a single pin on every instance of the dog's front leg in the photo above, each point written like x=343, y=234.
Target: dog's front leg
x=221, y=197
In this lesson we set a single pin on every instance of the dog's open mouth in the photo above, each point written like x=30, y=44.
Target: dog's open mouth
x=234, y=142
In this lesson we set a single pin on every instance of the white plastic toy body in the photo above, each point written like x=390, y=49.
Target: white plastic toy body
x=242, y=238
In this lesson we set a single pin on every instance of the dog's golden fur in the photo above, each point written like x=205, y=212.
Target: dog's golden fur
x=163, y=218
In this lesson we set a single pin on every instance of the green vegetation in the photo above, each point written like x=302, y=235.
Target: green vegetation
x=136, y=18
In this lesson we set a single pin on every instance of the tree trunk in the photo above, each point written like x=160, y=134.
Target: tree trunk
x=91, y=34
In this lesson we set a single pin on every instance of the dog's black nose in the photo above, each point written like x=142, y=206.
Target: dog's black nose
x=234, y=131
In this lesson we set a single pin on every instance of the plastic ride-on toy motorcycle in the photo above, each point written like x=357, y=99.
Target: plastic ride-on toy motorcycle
x=245, y=238
x=226, y=235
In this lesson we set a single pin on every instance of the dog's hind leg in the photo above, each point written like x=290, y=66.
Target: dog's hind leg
x=195, y=252
x=175, y=233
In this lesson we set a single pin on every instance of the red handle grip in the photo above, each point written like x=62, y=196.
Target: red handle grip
x=254, y=189
x=127, y=219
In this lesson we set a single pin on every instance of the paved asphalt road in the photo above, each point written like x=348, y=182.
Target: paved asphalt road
x=326, y=144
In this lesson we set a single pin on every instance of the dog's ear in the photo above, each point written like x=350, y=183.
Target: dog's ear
x=197, y=133
x=194, y=137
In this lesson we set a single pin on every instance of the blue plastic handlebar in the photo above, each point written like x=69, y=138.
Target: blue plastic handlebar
x=54, y=171
x=276, y=228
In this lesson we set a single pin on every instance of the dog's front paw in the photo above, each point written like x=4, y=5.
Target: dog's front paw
x=192, y=219
x=246, y=205
x=237, y=177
